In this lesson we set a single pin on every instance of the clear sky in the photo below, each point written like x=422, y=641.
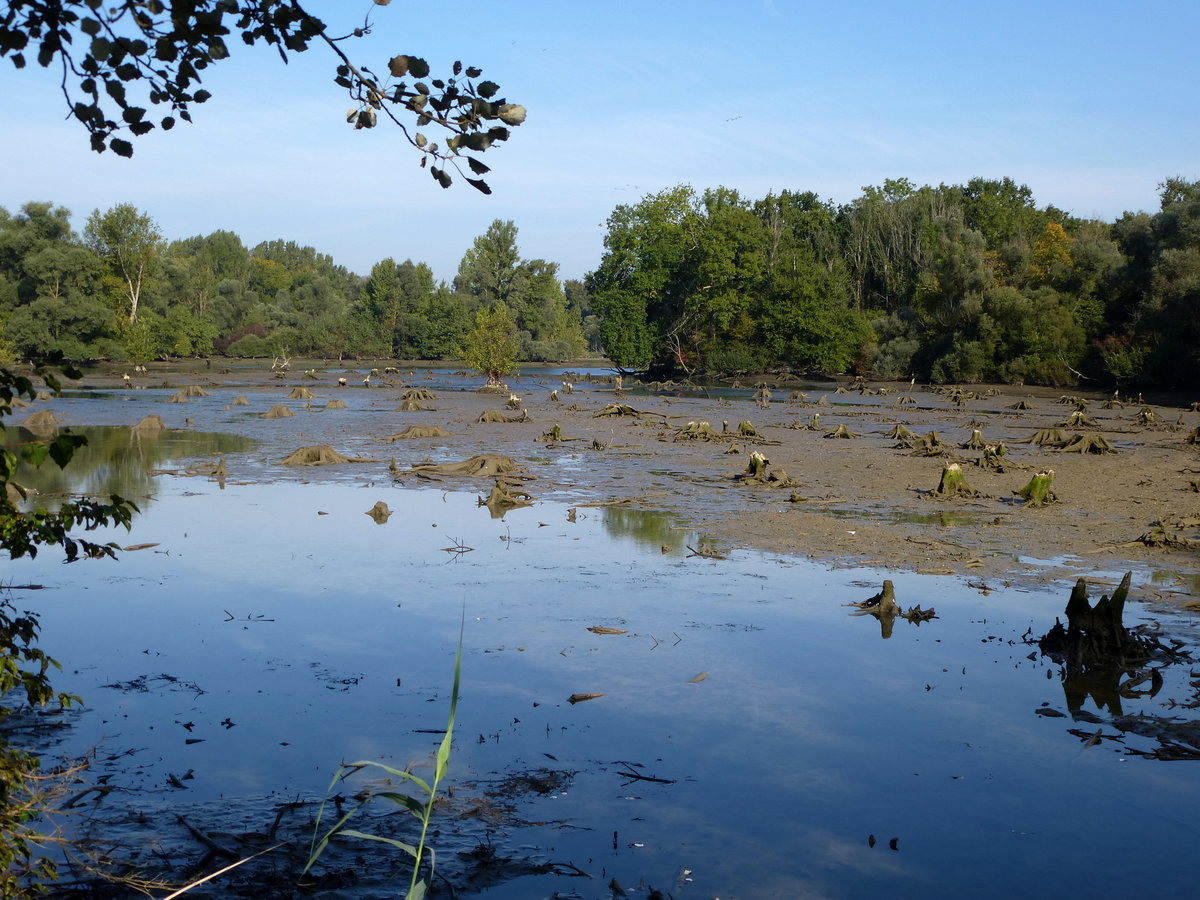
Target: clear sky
x=1092, y=103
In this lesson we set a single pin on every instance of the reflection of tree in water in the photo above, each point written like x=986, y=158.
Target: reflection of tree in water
x=1102, y=660
x=118, y=459
x=653, y=528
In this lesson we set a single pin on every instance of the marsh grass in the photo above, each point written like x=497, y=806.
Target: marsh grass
x=419, y=803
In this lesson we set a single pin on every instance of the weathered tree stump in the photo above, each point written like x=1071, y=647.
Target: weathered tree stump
x=953, y=484
x=1037, y=493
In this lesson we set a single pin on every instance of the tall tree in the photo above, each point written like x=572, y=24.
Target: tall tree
x=131, y=245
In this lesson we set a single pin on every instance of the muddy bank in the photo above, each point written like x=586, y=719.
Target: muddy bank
x=860, y=462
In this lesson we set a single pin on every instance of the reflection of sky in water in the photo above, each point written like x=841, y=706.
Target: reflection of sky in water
x=324, y=637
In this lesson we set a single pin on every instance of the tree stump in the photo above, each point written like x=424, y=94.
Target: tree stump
x=1037, y=493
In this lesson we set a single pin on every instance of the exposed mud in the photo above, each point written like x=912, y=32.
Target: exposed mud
x=862, y=499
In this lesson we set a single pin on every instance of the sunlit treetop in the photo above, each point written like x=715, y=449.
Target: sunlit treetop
x=130, y=66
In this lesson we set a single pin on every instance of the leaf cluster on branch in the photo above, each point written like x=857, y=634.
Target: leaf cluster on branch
x=121, y=59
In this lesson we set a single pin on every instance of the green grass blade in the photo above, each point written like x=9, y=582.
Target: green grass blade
x=407, y=848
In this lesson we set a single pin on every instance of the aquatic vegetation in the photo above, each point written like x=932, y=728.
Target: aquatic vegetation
x=419, y=804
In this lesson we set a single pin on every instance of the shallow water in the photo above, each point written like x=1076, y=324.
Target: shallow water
x=275, y=630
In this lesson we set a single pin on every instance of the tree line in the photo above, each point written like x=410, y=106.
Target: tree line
x=121, y=291
x=954, y=283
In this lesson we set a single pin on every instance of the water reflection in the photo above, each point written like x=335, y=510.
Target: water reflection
x=1103, y=661
x=276, y=630
x=118, y=459
x=647, y=527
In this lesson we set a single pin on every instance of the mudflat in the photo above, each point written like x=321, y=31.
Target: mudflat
x=850, y=472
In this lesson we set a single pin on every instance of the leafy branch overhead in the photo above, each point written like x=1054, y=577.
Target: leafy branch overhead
x=122, y=58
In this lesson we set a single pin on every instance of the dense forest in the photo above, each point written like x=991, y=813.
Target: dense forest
x=120, y=291
x=960, y=283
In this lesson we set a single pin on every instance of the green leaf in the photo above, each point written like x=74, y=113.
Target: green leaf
x=479, y=185
x=63, y=447
x=398, y=66
x=477, y=167
x=407, y=848
x=121, y=148
x=35, y=454
x=418, y=67
x=487, y=89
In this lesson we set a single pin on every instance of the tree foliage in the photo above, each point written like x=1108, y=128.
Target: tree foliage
x=491, y=346
x=954, y=283
x=130, y=66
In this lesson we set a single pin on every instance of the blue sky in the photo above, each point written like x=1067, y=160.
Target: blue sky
x=1091, y=104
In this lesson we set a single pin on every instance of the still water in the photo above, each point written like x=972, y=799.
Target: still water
x=783, y=748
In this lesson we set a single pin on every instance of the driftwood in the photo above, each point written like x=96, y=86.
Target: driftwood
x=336, y=403
x=1178, y=533
x=418, y=394
x=409, y=405
x=277, y=412
x=300, y=393
x=617, y=409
